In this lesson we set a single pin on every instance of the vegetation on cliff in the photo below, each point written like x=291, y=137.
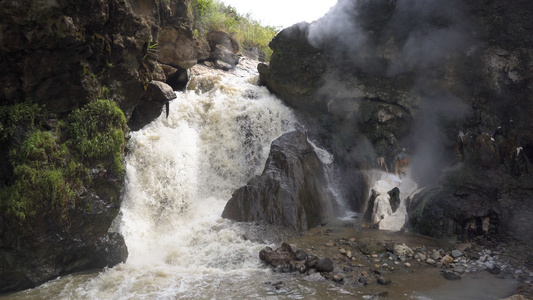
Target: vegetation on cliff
x=212, y=15
x=51, y=165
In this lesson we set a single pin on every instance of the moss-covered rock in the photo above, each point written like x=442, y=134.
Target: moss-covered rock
x=57, y=208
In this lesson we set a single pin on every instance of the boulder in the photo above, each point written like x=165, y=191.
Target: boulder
x=222, y=55
x=157, y=95
x=221, y=38
x=291, y=191
x=324, y=265
x=176, y=48
x=282, y=256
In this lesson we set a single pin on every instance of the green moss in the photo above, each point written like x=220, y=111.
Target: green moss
x=17, y=115
x=50, y=168
x=41, y=183
x=96, y=133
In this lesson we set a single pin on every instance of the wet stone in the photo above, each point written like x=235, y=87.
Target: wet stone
x=450, y=275
x=324, y=265
x=311, y=261
x=457, y=253
x=300, y=254
x=383, y=280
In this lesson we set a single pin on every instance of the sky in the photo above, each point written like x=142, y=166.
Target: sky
x=282, y=13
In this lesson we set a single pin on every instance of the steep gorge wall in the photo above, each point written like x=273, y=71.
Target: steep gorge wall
x=440, y=79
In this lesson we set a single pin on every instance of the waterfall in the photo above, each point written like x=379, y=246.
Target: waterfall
x=180, y=172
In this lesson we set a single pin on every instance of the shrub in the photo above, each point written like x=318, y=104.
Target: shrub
x=211, y=15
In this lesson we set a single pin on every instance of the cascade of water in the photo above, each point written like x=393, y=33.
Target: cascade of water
x=342, y=211
x=381, y=184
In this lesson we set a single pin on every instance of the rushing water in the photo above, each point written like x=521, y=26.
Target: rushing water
x=181, y=171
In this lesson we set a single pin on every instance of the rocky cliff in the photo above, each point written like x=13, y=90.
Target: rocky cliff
x=450, y=83
x=72, y=73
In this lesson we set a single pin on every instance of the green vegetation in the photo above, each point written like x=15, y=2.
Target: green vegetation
x=50, y=167
x=211, y=15
x=96, y=133
x=18, y=114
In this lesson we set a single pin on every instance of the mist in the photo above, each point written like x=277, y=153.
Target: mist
x=388, y=39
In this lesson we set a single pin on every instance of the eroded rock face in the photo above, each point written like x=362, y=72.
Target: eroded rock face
x=291, y=191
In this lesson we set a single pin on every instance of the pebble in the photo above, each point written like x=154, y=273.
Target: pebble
x=408, y=265
x=447, y=260
x=330, y=244
x=342, y=251
x=338, y=278
x=457, y=253
x=430, y=261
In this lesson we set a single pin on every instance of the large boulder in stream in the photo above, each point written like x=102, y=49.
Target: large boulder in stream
x=292, y=190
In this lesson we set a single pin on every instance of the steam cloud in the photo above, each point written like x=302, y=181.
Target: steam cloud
x=388, y=38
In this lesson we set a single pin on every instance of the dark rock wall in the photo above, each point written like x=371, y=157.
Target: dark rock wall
x=449, y=81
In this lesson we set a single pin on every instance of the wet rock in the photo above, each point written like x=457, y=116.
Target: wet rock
x=403, y=250
x=220, y=38
x=157, y=95
x=338, y=278
x=362, y=280
x=436, y=255
x=311, y=261
x=324, y=265
x=450, y=275
x=457, y=253
x=290, y=192
x=459, y=270
x=177, y=49
x=394, y=199
x=383, y=280
x=281, y=257
x=300, y=254
x=300, y=267
x=494, y=269
x=316, y=277
x=430, y=261
x=446, y=260
x=369, y=246
x=224, y=58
